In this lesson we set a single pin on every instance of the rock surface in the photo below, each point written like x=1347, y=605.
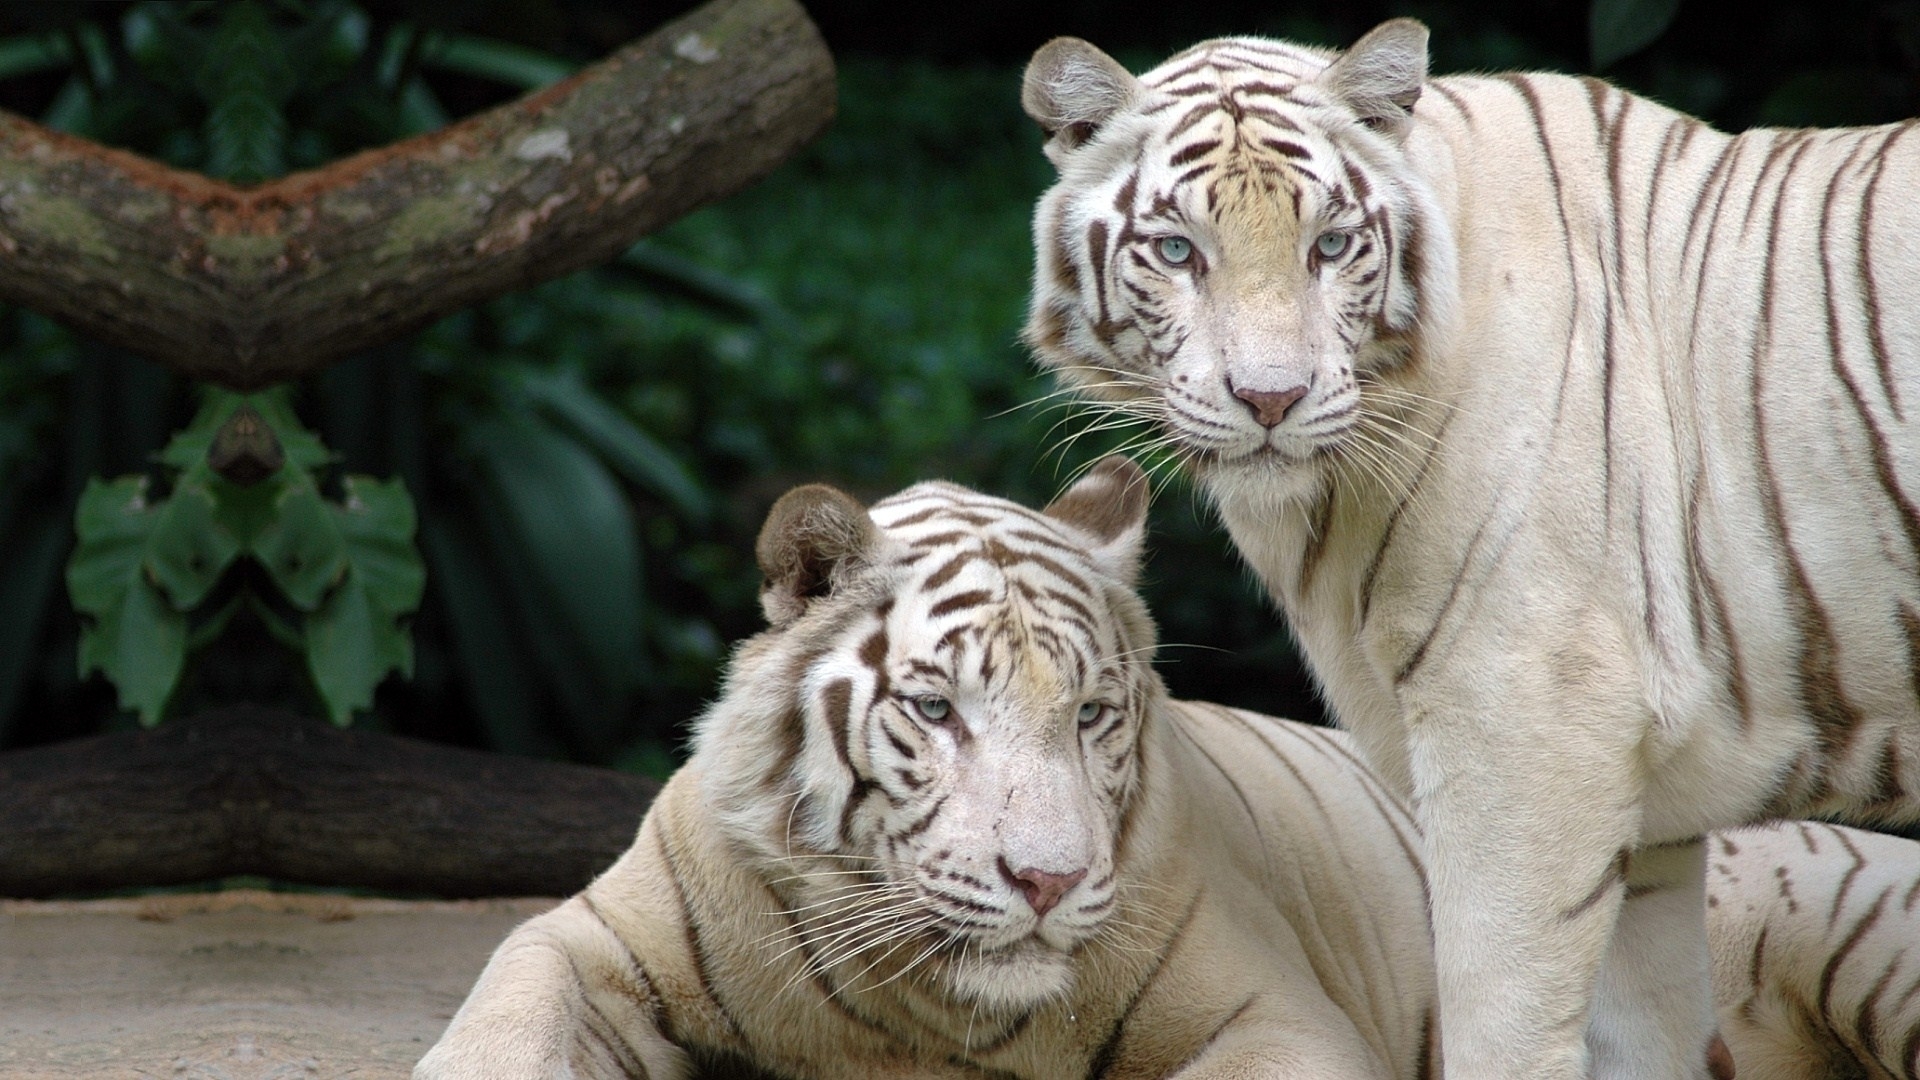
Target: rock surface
x=239, y=985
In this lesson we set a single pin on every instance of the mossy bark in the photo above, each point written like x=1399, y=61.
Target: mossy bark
x=250, y=286
x=253, y=791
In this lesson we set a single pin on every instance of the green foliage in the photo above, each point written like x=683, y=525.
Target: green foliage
x=589, y=460
x=138, y=639
x=1620, y=28
x=147, y=571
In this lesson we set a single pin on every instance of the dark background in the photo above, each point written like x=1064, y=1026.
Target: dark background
x=851, y=319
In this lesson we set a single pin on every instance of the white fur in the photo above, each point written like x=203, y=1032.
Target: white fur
x=1628, y=494
x=1271, y=918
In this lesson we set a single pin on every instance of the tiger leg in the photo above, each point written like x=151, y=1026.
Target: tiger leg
x=1526, y=836
x=559, y=998
x=1653, y=1011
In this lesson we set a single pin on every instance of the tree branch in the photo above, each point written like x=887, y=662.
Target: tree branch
x=253, y=791
x=248, y=287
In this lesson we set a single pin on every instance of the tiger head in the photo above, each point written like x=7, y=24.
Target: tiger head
x=1236, y=246
x=932, y=750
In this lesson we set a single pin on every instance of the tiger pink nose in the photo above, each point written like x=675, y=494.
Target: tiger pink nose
x=1270, y=406
x=1042, y=888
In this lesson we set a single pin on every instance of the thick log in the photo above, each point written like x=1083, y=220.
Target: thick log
x=253, y=791
x=247, y=287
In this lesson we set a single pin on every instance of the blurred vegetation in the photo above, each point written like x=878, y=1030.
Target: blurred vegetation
x=589, y=460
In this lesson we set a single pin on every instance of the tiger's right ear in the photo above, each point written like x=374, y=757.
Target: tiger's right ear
x=813, y=534
x=1109, y=504
x=1070, y=89
x=1381, y=75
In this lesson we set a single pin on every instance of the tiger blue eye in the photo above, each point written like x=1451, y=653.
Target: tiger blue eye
x=933, y=709
x=1176, y=250
x=1331, y=244
x=1090, y=712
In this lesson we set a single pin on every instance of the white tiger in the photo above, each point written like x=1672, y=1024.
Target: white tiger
x=944, y=821
x=1573, y=438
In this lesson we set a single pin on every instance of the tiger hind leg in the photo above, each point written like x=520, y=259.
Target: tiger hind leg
x=1815, y=936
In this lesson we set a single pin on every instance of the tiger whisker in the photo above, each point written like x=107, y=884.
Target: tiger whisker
x=850, y=906
x=1068, y=396
x=840, y=929
x=1147, y=440
x=869, y=933
x=1128, y=449
x=967, y=1043
x=880, y=903
x=910, y=965
x=894, y=936
x=840, y=899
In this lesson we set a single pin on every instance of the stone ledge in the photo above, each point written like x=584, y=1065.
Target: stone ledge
x=240, y=985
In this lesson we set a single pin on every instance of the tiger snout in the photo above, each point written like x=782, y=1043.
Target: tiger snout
x=1042, y=889
x=1269, y=407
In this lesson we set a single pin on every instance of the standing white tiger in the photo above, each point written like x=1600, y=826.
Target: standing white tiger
x=1573, y=437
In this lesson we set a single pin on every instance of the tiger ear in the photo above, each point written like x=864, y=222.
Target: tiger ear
x=1070, y=89
x=813, y=534
x=1109, y=504
x=1379, y=77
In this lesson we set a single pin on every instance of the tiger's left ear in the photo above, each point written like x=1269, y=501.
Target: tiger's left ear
x=1379, y=77
x=1109, y=504
x=813, y=537
x=1070, y=89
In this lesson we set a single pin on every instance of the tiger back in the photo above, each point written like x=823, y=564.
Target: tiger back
x=1576, y=440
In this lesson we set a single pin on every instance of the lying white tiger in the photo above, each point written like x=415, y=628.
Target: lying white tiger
x=944, y=821
x=1573, y=438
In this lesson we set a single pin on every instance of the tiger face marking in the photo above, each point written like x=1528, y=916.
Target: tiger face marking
x=1526, y=398
x=1220, y=252
x=967, y=732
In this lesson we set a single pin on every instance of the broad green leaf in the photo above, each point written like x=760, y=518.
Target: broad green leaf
x=489, y=645
x=514, y=65
x=303, y=448
x=636, y=455
x=245, y=78
x=350, y=647
x=1619, y=28
x=141, y=646
x=302, y=548
x=27, y=55
x=670, y=272
x=377, y=521
x=573, y=527
x=134, y=638
x=189, y=547
x=111, y=524
x=359, y=635
x=420, y=111
x=246, y=512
